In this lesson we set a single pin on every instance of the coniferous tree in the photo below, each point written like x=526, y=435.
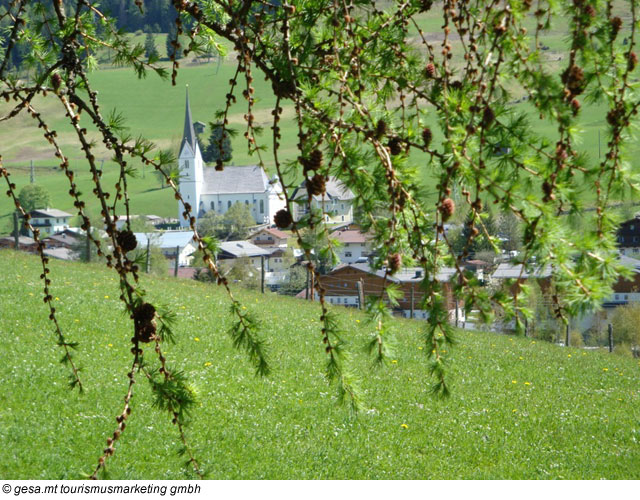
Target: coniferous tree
x=150, y=49
x=219, y=146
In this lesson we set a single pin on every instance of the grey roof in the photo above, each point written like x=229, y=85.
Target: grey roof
x=22, y=240
x=242, y=249
x=60, y=253
x=630, y=263
x=508, y=271
x=189, y=135
x=165, y=239
x=335, y=189
x=49, y=212
x=405, y=275
x=231, y=180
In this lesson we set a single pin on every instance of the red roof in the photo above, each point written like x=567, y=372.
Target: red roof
x=350, y=236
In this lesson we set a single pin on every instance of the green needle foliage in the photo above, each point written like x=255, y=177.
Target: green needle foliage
x=376, y=102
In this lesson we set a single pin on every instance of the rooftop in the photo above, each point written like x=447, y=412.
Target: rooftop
x=233, y=180
x=165, y=239
x=242, y=249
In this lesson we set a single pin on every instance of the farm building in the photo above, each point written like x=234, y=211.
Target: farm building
x=49, y=221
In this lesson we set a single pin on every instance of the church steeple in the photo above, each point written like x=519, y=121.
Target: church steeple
x=189, y=136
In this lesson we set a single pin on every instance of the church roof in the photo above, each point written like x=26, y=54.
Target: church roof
x=231, y=180
x=189, y=135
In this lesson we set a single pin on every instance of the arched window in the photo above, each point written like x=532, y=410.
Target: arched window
x=261, y=206
x=228, y=205
x=213, y=205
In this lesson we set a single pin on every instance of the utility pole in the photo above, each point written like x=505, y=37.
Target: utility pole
x=175, y=267
x=16, y=233
x=360, y=294
x=568, y=336
x=262, y=273
x=33, y=174
x=412, y=301
x=148, y=263
x=88, y=245
x=457, y=311
x=306, y=290
x=610, y=328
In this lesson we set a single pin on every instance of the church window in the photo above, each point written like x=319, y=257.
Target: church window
x=246, y=202
x=213, y=205
x=228, y=205
x=261, y=206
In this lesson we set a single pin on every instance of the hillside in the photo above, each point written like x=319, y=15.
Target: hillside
x=519, y=409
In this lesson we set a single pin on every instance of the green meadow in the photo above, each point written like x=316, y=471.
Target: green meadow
x=519, y=409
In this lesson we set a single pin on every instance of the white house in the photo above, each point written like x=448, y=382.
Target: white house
x=49, y=221
x=355, y=247
x=336, y=203
x=168, y=242
x=243, y=249
x=205, y=188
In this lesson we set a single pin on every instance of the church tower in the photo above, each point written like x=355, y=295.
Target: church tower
x=191, y=168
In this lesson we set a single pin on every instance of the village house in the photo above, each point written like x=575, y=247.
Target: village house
x=49, y=221
x=243, y=249
x=336, y=203
x=207, y=189
x=64, y=239
x=354, y=246
x=628, y=236
x=170, y=242
x=341, y=286
x=25, y=243
x=269, y=236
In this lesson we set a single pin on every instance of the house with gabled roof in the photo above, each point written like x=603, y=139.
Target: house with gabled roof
x=208, y=189
x=49, y=221
x=336, y=203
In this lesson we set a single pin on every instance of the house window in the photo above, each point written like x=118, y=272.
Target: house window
x=261, y=206
x=617, y=297
x=347, y=254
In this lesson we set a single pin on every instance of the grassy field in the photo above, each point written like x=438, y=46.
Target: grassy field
x=519, y=409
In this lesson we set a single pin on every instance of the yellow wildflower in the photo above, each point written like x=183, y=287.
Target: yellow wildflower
x=106, y=296
x=605, y=369
x=109, y=345
x=404, y=426
x=395, y=361
x=196, y=339
x=527, y=383
x=514, y=381
x=208, y=363
x=568, y=355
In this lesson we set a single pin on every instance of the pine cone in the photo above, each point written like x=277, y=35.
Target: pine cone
x=144, y=323
x=381, y=129
x=487, y=117
x=283, y=219
x=395, y=263
x=395, y=146
x=430, y=70
x=616, y=24
x=427, y=135
x=315, y=159
x=126, y=240
x=633, y=60
x=447, y=209
x=56, y=81
x=316, y=185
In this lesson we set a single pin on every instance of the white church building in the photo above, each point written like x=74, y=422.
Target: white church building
x=205, y=188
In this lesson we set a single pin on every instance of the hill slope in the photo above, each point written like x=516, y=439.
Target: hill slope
x=519, y=409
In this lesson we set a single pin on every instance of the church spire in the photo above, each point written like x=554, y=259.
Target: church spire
x=189, y=135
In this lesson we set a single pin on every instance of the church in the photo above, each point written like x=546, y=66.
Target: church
x=206, y=188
